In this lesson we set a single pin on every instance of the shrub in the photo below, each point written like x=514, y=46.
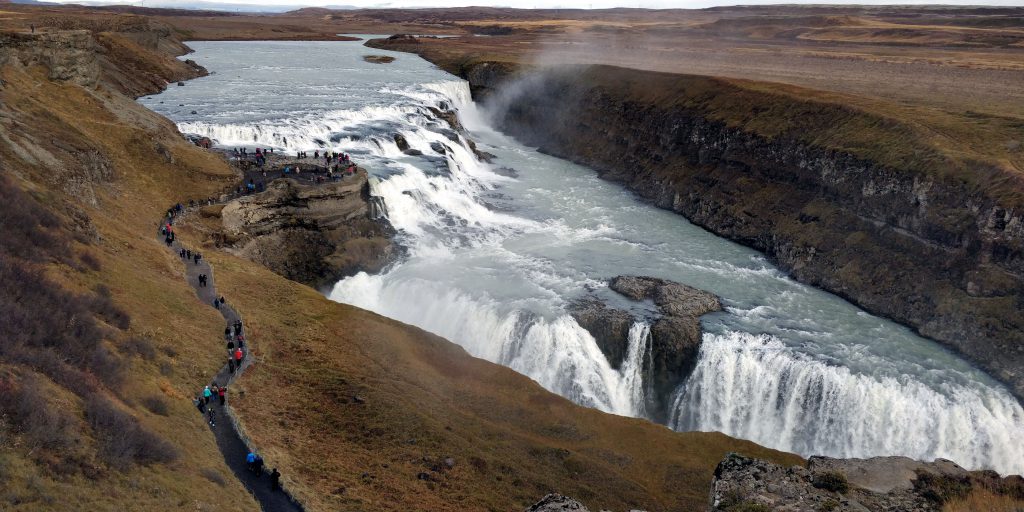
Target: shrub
x=941, y=489
x=90, y=261
x=123, y=441
x=166, y=369
x=831, y=481
x=156, y=405
x=828, y=506
x=140, y=346
x=104, y=306
x=29, y=411
x=214, y=476
x=106, y=366
x=29, y=231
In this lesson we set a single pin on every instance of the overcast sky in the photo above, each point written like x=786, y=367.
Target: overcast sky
x=597, y=4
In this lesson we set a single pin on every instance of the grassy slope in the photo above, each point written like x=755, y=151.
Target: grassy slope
x=144, y=279
x=426, y=400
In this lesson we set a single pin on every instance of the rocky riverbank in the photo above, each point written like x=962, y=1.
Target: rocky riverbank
x=858, y=204
x=879, y=483
x=675, y=332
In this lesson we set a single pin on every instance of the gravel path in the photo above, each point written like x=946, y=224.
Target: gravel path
x=229, y=439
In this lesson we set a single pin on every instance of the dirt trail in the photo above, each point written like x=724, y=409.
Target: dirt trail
x=229, y=439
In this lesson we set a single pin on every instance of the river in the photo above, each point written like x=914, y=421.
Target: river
x=496, y=252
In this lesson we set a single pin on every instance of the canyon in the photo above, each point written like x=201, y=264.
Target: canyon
x=924, y=237
x=839, y=196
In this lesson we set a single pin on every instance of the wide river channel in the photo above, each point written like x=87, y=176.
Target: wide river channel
x=496, y=252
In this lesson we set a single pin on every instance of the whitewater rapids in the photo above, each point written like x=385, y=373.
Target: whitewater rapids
x=496, y=252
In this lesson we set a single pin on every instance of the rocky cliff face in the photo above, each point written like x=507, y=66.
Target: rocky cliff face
x=915, y=244
x=675, y=333
x=313, y=234
x=133, y=56
x=896, y=484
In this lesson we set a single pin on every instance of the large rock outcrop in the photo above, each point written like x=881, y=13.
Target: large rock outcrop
x=675, y=333
x=891, y=484
x=314, y=234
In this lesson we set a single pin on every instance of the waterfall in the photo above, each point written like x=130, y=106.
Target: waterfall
x=754, y=387
x=491, y=262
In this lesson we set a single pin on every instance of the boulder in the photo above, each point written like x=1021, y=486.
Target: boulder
x=557, y=503
x=403, y=145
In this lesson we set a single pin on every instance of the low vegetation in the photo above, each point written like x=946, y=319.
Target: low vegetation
x=832, y=481
x=976, y=491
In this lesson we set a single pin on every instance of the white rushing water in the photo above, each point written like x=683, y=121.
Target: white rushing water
x=495, y=253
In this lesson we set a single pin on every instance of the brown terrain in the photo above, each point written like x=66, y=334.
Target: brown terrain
x=108, y=343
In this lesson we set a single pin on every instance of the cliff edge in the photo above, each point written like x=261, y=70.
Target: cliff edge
x=882, y=210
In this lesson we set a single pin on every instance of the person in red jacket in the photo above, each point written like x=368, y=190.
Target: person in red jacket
x=238, y=357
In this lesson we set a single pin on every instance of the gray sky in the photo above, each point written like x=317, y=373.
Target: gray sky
x=597, y=4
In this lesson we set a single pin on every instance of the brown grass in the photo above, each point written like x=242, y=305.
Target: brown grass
x=984, y=500
x=422, y=400
x=46, y=127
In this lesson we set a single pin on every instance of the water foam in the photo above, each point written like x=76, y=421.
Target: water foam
x=477, y=277
x=754, y=387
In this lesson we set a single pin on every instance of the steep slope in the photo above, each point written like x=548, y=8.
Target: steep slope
x=102, y=339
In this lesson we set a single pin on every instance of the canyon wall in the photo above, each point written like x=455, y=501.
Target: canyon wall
x=857, y=204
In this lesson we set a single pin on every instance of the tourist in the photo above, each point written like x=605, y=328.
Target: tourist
x=231, y=365
x=238, y=357
x=212, y=416
x=206, y=395
x=250, y=460
x=220, y=394
x=227, y=333
x=275, y=480
x=198, y=402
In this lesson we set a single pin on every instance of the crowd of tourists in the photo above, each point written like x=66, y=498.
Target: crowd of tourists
x=214, y=394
